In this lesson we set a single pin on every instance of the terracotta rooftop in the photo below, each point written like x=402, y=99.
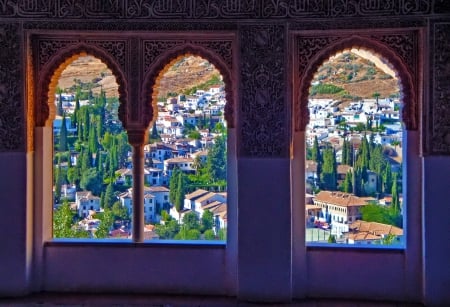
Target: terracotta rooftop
x=375, y=228
x=339, y=199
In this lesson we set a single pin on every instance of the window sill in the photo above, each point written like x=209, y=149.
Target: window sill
x=128, y=243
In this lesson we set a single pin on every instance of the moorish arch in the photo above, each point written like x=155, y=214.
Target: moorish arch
x=165, y=61
x=50, y=73
x=385, y=53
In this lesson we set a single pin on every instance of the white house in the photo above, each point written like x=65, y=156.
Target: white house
x=184, y=164
x=339, y=209
x=85, y=201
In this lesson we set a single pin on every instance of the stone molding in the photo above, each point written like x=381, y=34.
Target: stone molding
x=214, y=9
x=399, y=49
x=438, y=112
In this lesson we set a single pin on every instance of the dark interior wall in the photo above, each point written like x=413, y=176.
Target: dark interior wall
x=264, y=110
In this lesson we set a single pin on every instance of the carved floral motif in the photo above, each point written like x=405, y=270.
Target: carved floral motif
x=439, y=117
x=263, y=111
x=11, y=101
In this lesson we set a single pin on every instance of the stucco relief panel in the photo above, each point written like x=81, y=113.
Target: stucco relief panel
x=12, y=124
x=439, y=115
x=211, y=9
x=263, y=112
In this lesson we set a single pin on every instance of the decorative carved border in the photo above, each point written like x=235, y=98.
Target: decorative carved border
x=264, y=121
x=213, y=9
x=399, y=50
x=53, y=55
x=438, y=132
x=12, y=124
x=160, y=54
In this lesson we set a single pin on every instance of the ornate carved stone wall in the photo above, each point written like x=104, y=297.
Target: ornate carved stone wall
x=12, y=122
x=438, y=140
x=263, y=115
x=213, y=9
x=263, y=29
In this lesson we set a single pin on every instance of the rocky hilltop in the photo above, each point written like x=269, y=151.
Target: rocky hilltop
x=181, y=76
x=360, y=74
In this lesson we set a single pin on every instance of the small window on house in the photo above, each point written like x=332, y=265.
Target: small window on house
x=348, y=163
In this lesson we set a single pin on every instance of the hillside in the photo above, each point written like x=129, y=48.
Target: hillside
x=183, y=75
x=359, y=75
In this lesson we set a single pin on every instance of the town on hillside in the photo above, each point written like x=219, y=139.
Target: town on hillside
x=185, y=194
x=353, y=167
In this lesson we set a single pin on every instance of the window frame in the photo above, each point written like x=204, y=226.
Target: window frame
x=380, y=273
x=62, y=265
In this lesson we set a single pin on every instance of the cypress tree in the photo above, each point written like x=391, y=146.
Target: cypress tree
x=86, y=124
x=92, y=142
x=387, y=178
x=59, y=109
x=173, y=185
x=109, y=197
x=344, y=159
x=347, y=185
x=58, y=180
x=180, y=192
x=329, y=170
x=394, y=192
x=316, y=150
x=63, y=135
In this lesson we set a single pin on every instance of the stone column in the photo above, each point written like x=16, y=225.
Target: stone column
x=136, y=139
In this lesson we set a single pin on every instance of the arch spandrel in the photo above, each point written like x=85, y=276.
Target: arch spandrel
x=165, y=61
x=49, y=75
x=328, y=47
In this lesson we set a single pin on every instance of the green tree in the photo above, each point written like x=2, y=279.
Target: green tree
x=154, y=136
x=331, y=239
x=216, y=162
x=207, y=220
x=191, y=221
x=106, y=223
x=63, y=219
x=73, y=175
x=91, y=181
x=59, y=109
x=209, y=235
x=187, y=234
x=63, y=134
x=387, y=178
x=381, y=214
x=168, y=230
x=109, y=198
x=328, y=177
x=173, y=184
x=180, y=192
x=347, y=185
x=395, y=198
x=316, y=156
x=120, y=212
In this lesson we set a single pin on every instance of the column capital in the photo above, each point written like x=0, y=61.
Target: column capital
x=136, y=137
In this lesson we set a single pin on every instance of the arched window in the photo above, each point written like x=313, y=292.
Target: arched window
x=90, y=152
x=353, y=140
x=318, y=260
